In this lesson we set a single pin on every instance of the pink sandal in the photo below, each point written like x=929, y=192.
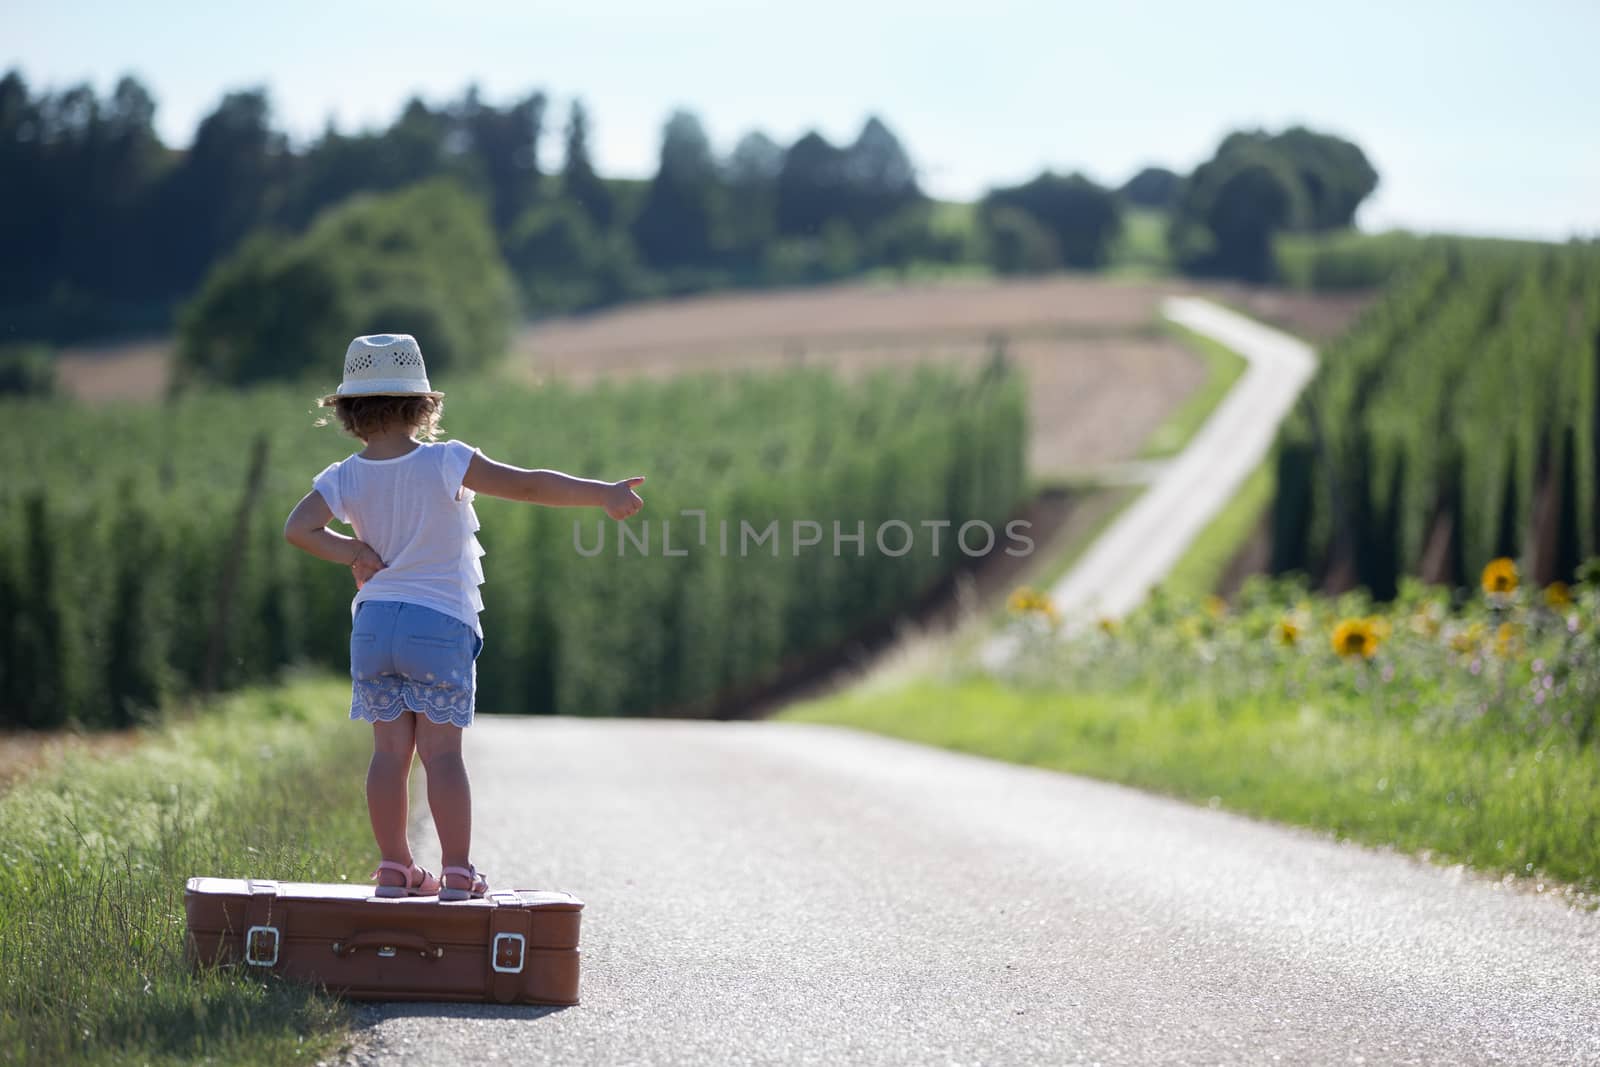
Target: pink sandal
x=480, y=884
x=419, y=883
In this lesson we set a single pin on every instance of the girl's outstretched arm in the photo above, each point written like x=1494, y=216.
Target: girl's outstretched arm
x=307, y=529
x=552, y=488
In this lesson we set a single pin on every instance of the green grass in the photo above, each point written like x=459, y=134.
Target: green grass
x=1141, y=249
x=93, y=859
x=1200, y=569
x=1223, y=368
x=1478, y=797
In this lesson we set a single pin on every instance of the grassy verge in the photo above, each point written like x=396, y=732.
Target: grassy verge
x=1223, y=368
x=93, y=859
x=1483, y=798
x=1200, y=569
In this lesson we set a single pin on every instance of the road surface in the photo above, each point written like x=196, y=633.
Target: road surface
x=1146, y=540
x=778, y=893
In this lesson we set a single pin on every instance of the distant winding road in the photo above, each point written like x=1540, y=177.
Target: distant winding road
x=1143, y=544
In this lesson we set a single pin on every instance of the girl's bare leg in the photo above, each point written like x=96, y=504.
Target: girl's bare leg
x=449, y=792
x=387, y=794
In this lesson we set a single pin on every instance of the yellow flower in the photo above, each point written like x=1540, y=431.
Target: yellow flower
x=1216, y=607
x=1108, y=626
x=1466, y=641
x=1505, y=640
x=1500, y=577
x=1287, y=632
x=1029, y=601
x=1558, y=595
x=1355, y=637
x=1425, y=621
x=1023, y=600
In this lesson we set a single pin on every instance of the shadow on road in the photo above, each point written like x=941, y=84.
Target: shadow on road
x=370, y=1015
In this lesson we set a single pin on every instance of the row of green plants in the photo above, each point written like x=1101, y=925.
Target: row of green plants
x=1350, y=259
x=1458, y=421
x=120, y=528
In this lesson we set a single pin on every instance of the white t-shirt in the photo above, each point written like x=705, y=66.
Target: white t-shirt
x=416, y=514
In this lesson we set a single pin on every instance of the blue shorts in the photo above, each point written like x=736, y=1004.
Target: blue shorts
x=405, y=657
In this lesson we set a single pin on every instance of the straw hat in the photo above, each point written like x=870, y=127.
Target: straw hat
x=384, y=364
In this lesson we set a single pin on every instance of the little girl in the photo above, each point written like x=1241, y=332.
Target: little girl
x=415, y=638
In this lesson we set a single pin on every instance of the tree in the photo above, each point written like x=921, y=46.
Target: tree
x=1258, y=184
x=861, y=185
x=674, y=227
x=1083, y=217
x=1152, y=187
x=1334, y=173
x=750, y=176
x=878, y=177
x=221, y=188
x=505, y=149
x=578, y=179
x=1018, y=243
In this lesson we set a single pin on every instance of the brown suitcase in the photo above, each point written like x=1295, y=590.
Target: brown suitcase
x=513, y=946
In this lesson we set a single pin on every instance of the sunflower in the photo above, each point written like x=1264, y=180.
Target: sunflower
x=1500, y=577
x=1356, y=637
x=1029, y=601
x=1287, y=632
x=1024, y=600
x=1466, y=641
x=1558, y=595
x=1505, y=640
x=1108, y=625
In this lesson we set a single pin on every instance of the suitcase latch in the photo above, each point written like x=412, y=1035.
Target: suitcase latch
x=256, y=946
x=506, y=961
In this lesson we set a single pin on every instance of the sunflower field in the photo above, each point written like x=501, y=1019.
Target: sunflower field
x=1457, y=422
x=118, y=527
x=1509, y=658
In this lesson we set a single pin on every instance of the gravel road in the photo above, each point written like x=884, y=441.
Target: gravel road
x=781, y=893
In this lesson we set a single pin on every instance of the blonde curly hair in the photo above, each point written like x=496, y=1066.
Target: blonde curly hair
x=363, y=416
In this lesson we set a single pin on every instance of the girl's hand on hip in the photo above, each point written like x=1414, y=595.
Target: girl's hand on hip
x=621, y=501
x=366, y=564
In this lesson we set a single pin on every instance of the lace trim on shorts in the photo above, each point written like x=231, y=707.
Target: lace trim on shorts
x=385, y=697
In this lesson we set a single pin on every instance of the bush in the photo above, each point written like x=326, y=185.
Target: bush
x=27, y=370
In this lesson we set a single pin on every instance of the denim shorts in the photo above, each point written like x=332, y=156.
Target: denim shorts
x=405, y=657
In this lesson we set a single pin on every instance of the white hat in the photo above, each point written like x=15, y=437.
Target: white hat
x=384, y=364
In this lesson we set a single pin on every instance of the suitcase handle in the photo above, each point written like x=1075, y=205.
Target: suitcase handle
x=388, y=943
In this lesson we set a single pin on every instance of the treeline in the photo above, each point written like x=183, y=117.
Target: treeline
x=127, y=575
x=1459, y=421
x=108, y=229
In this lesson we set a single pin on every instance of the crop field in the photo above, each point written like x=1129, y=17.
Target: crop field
x=123, y=528
x=1102, y=377
x=1456, y=424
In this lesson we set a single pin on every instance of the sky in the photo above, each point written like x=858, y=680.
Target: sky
x=1480, y=117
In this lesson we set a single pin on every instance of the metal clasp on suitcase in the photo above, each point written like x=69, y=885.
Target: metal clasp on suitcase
x=522, y=951
x=255, y=956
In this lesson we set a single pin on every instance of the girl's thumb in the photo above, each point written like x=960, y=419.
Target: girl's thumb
x=635, y=481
